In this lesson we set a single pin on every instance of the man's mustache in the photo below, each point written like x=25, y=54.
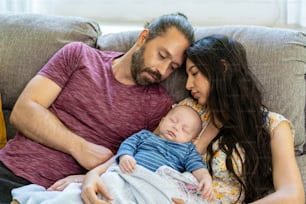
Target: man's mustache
x=156, y=74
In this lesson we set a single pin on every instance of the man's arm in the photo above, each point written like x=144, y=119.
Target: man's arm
x=31, y=117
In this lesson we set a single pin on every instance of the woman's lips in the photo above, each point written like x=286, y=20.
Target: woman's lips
x=195, y=94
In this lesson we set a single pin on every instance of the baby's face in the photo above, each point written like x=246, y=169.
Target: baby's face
x=180, y=125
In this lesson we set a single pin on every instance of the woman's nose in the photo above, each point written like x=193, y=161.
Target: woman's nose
x=189, y=83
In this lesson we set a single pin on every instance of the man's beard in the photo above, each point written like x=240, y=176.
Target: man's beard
x=138, y=67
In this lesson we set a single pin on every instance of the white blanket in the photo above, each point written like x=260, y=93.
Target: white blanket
x=140, y=187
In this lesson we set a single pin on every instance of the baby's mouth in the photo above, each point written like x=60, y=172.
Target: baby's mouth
x=171, y=133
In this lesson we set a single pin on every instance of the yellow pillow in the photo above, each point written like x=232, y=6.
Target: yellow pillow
x=3, y=138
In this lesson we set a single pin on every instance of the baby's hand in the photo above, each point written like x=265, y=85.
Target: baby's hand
x=127, y=163
x=206, y=189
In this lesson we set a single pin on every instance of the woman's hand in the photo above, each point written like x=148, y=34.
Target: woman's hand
x=63, y=183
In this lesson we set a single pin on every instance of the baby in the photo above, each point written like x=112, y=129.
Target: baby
x=171, y=145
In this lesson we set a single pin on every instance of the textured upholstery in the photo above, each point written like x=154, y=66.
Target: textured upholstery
x=276, y=56
x=28, y=41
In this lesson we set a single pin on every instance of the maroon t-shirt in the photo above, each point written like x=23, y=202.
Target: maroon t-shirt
x=94, y=105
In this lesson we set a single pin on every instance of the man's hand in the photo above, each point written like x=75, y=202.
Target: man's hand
x=90, y=155
x=92, y=185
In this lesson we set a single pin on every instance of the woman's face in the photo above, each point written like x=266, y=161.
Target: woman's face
x=197, y=83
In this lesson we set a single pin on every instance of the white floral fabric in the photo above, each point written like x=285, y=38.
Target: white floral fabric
x=226, y=187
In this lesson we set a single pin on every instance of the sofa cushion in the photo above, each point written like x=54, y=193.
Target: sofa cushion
x=276, y=56
x=28, y=41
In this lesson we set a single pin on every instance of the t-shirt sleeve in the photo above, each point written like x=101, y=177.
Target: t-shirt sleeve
x=64, y=62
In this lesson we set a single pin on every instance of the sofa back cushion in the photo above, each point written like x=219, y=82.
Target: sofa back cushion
x=28, y=41
x=276, y=56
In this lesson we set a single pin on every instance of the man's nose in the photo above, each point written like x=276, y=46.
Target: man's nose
x=163, y=69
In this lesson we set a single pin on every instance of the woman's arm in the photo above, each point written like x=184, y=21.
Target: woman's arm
x=206, y=137
x=92, y=184
x=286, y=175
x=205, y=183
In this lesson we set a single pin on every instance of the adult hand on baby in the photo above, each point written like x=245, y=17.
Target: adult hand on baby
x=63, y=183
x=178, y=201
x=92, y=186
x=205, y=187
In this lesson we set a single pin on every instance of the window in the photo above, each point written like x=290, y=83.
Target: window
x=296, y=12
x=200, y=12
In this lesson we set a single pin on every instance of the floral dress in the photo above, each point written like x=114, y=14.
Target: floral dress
x=226, y=187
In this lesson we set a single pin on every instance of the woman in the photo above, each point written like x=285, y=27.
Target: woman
x=253, y=150
x=249, y=150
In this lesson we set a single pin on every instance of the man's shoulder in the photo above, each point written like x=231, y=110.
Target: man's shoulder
x=87, y=48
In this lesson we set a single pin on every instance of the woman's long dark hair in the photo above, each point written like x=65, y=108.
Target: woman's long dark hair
x=236, y=102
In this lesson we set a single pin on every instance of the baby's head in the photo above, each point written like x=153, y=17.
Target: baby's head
x=181, y=124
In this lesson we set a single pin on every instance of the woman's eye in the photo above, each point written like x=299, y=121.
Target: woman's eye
x=194, y=73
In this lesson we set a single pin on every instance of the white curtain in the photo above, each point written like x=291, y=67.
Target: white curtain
x=15, y=6
x=296, y=12
x=264, y=12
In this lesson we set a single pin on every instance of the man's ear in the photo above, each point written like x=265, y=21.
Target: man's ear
x=142, y=37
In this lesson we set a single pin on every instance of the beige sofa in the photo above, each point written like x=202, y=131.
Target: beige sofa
x=276, y=56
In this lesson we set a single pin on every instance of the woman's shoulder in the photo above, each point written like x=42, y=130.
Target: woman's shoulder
x=273, y=120
x=202, y=110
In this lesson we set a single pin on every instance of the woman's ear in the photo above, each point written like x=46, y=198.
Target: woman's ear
x=142, y=37
x=224, y=65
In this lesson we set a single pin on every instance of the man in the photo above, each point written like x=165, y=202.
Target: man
x=76, y=111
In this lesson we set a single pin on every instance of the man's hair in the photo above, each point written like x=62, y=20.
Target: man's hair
x=160, y=26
